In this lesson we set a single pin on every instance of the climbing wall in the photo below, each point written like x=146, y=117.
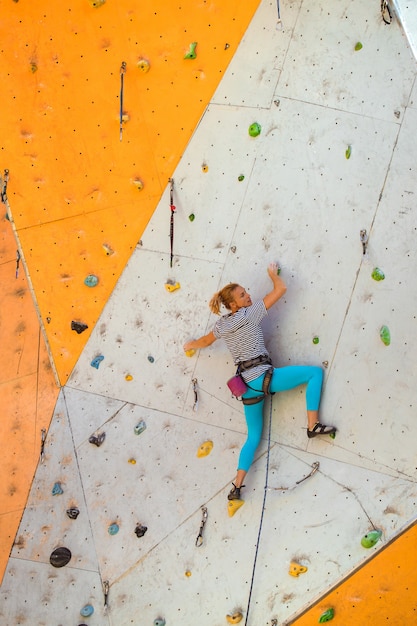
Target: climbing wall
x=143, y=445
x=100, y=100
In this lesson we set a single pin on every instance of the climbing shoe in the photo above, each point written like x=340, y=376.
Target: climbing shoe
x=320, y=429
x=234, y=493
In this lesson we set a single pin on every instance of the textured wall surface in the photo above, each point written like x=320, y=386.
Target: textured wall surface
x=334, y=91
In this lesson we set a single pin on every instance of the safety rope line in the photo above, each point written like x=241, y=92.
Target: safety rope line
x=263, y=510
x=122, y=73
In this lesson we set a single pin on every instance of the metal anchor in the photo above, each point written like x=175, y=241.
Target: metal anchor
x=199, y=540
x=195, y=405
x=364, y=240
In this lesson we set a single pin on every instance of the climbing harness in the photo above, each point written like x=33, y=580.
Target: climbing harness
x=386, y=12
x=122, y=73
x=171, y=224
x=266, y=383
x=315, y=466
x=199, y=540
x=43, y=437
x=262, y=512
x=195, y=405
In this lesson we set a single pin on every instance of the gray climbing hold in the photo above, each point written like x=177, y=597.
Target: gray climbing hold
x=57, y=489
x=60, y=557
x=159, y=621
x=97, y=440
x=79, y=327
x=140, y=427
x=140, y=530
x=96, y=361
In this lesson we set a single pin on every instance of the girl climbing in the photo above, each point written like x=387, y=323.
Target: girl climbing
x=242, y=332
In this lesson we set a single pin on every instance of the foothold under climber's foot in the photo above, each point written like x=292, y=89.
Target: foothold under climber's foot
x=96, y=361
x=296, y=569
x=235, y=617
x=190, y=353
x=326, y=616
x=233, y=506
x=79, y=327
x=140, y=530
x=192, y=52
x=60, y=557
x=205, y=449
x=57, y=489
x=97, y=440
x=371, y=538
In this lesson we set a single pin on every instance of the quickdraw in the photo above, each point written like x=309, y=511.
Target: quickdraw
x=386, y=12
x=106, y=588
x=315, y=466
x=171, y=224
x=199, y=540
x=122, y=73
x=43, y=438
x=3, y=182
x=17, y=263
x=195, y=405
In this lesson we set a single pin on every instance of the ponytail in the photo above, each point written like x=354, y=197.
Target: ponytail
x=223, y=297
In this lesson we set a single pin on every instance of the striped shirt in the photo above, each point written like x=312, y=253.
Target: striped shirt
x=243, y=335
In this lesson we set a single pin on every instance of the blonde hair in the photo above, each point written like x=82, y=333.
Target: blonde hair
x=223, y=297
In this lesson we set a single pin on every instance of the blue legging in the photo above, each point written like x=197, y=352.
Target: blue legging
x=284, y=378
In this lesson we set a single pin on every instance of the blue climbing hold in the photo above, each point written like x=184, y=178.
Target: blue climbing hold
x=113, y=529
x=159, y=621
x=96, y=361
x=57, y=489
x=91, y=280
x=87, y=610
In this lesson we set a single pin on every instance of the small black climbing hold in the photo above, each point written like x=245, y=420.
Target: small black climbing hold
x=97, y=440
x=73, y=513
x=140, y=530
x=79, y=327
x=60, y=557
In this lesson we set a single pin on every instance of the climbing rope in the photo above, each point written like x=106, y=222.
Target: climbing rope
x=262, y=512
x=171, y=224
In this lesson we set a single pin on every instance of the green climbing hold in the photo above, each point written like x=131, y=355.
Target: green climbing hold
x=348, y=152
x=316, y=340
x=192, y=53
x=326, y=616
x=371, y=538
x=358, y=46
x=255, y=129
x=191, y=217
x=385, y=335
x=240, y=178
x=377, y=274
x=332, y=435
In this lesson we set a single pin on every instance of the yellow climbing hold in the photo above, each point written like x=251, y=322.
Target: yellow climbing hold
x=188, y=573
x=205, y=449
x=204, y=168
x=138, y=183
x=172, y=286
x=107, y=249
x=296, y=569
x=96, y=3
x=132, y=461
x=144, y=65
x=190, y=352
x=233, y=506
x=235, y=618
x=128, y=377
